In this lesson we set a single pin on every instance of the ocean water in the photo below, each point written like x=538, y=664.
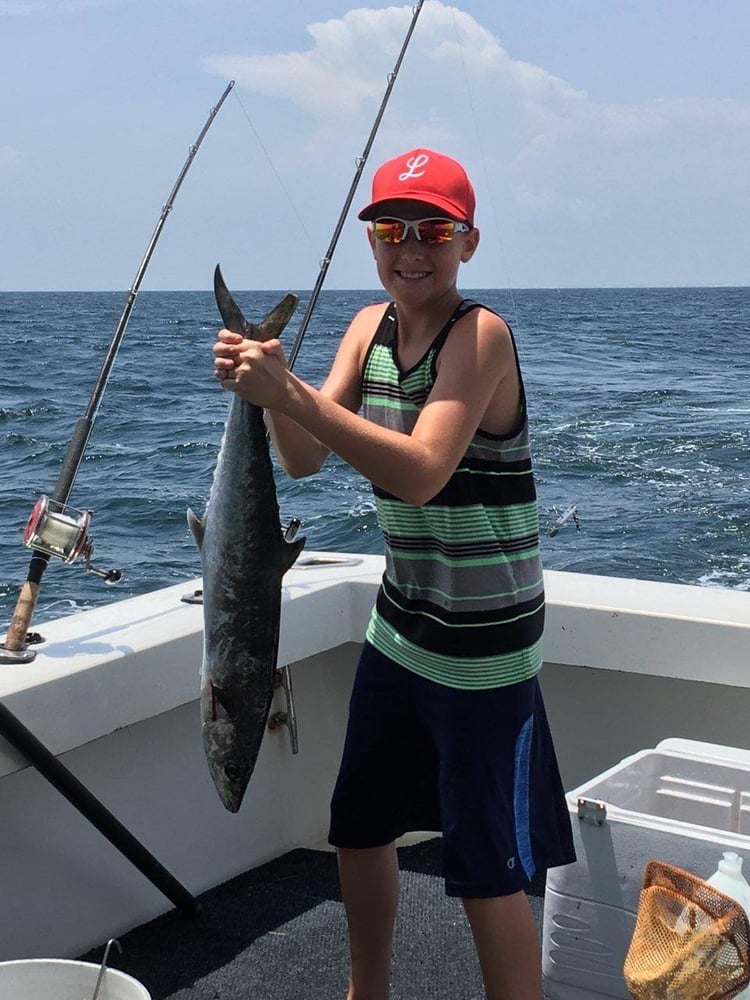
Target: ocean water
x=639, y=402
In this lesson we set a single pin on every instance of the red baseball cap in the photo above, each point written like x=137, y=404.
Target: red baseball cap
x=423, y=175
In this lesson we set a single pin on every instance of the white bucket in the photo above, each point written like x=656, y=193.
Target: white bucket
x=58, y=979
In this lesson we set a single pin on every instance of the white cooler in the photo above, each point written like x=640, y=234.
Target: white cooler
x=684, y=803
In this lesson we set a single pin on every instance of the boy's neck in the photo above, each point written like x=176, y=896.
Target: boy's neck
x=416, y=322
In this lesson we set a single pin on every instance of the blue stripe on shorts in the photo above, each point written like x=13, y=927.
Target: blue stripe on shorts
x=521, y=797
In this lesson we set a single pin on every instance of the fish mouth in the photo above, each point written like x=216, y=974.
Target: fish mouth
x=226, y=756
x=230, y=801
x=231, y=790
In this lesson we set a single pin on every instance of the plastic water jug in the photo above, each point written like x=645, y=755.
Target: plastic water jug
x=728, y=878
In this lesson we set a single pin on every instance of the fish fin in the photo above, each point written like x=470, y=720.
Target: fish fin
x=197, y=527
x=231, y=314
x=269, y=327
x=289, y=553
x=274, y=322
x=226, y=705
x=219, y=702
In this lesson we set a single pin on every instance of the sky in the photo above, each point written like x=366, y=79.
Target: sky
x=608, y=140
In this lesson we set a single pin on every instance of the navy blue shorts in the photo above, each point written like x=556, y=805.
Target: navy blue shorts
x=477, y=766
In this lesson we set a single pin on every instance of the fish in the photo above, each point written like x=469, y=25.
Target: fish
x=244, y=555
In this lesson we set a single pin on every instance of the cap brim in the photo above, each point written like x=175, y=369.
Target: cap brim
x=373, y=210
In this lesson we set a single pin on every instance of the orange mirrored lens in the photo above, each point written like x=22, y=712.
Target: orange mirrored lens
x=436, y=231
x=389, y=230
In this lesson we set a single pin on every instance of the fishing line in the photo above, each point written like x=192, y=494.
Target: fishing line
x=54, y=528
x=483, y=158
x=276, y=173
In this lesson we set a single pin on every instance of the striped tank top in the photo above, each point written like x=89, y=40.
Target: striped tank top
x=462, y=597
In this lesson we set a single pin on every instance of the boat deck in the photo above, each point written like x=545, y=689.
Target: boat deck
x=112, y=695
x=278, y=932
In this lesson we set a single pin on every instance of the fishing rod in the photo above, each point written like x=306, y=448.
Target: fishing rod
x=55, y=528
x=360, y=163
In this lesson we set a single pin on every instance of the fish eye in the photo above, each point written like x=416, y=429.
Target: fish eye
x=232, y=770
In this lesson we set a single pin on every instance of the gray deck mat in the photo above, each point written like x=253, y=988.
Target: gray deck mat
x=278, y=932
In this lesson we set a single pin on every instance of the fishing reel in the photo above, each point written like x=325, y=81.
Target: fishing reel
x=59, y=530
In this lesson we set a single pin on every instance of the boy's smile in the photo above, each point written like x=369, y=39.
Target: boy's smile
x=413, y=275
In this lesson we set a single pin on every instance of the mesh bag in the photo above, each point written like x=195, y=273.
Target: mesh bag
x=691, y=942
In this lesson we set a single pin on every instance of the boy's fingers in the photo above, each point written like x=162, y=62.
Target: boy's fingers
x=225, y=350
x=227, y=337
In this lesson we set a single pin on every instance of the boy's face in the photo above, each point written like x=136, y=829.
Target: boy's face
x=412, y=264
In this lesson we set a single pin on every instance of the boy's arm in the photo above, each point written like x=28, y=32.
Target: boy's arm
x=477, y=370
x=299, y=453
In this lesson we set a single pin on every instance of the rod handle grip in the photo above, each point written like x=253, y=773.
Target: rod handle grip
x=15, y=640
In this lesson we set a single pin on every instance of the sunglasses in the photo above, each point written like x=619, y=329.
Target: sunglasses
x=430, y=231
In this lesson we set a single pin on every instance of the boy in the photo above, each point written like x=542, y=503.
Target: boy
x=447, y=729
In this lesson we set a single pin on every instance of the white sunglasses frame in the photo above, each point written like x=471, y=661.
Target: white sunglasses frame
x=411, y=224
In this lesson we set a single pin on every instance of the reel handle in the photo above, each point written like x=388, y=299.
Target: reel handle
x=110, y=576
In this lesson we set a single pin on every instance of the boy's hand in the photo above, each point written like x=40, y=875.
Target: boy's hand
x=253, y=369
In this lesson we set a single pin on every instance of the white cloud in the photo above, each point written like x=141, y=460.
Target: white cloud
x=554, y=167
x=297, y=77
x=345, y=67
x=549, y=145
